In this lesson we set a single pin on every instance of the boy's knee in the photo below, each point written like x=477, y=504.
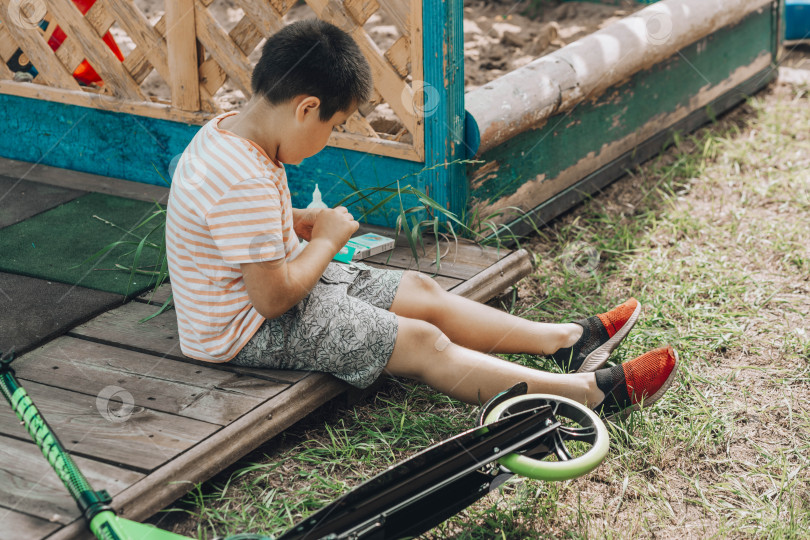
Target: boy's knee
x=419, y=282
x=418, y=344
x=423, y=296
x=426, y=335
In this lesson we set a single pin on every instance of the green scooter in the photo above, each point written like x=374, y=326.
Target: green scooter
x=517, y=433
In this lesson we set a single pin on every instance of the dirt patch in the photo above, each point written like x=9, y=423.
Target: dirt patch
x=500, y=37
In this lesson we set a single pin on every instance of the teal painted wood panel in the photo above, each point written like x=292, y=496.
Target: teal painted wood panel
x=140, y=149
x=444, y=103
x=566, y=139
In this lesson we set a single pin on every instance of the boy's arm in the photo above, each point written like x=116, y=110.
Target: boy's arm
x=304, y=221
x=276, y=286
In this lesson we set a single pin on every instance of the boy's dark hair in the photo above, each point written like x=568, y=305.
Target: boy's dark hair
x=315, y=58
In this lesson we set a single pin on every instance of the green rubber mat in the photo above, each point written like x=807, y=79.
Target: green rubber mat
x=47, y=245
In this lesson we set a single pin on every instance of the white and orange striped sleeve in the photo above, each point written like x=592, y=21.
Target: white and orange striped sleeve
x=246, y=222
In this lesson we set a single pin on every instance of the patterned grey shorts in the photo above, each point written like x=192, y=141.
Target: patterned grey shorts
x=342, y=327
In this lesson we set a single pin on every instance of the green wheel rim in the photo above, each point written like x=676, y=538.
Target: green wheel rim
x=555, y=470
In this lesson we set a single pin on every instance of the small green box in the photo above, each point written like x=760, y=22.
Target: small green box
x=345, y=254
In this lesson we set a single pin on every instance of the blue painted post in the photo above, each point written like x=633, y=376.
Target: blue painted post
x=443, y=46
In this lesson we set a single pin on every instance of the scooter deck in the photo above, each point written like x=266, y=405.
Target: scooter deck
x=424, y=490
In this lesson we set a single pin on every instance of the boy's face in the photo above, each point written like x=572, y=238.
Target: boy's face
x=308, y=134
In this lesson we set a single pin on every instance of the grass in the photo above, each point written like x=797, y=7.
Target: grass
x=712, y=237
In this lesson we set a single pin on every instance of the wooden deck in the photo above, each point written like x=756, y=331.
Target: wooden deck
x=147, y=423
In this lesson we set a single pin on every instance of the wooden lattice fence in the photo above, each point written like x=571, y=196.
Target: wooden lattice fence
x=195, y=56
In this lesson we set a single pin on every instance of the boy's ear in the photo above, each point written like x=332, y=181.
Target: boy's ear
x=307, y=106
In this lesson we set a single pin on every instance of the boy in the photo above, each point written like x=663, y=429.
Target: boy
x=246, y=291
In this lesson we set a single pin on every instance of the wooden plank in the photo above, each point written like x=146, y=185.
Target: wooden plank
x=283, y=6
x=387, y=81
x=462, y=250
x=147, y=39
x=120, y=327
x=7, y=44
x=202, y=393
x=466, y=251
x=245, y=35
x=492, y=281
x=199, y=463
x=150, y=47
x=547, y=176
x=452, y=264
x=533, y=94
x=39, y=172
x=77, y=421
x=399, y=55
x=263, y=15
x=212, y=75
x=446, y=282
x=158, y=297
x=181, y=41
x=100, y=18
x=358, y=125
x=401, y=13
x=222, y=48
x=48, y=65
x=70, y=52
x=29, y=483
x=137, y=63
x=402, y=258
x=18, y=525
x=417, y=69
x=381, y=147
x=98, y=54
x=5, y=72
x=361, y=10
x=97, y=101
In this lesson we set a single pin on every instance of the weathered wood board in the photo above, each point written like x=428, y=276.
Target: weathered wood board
x=88, y=431
x=197, y=392
x=147, y=423
x=26, y=476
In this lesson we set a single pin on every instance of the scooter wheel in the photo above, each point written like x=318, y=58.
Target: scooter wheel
x=581, y=428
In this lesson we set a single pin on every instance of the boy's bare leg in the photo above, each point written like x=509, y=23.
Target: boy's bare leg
x=422, y=352
x=475, y=325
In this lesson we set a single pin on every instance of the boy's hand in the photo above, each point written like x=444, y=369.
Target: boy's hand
x=304, y=221
x=335, y=225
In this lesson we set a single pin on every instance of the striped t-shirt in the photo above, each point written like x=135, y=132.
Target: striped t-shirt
x=229, y=204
